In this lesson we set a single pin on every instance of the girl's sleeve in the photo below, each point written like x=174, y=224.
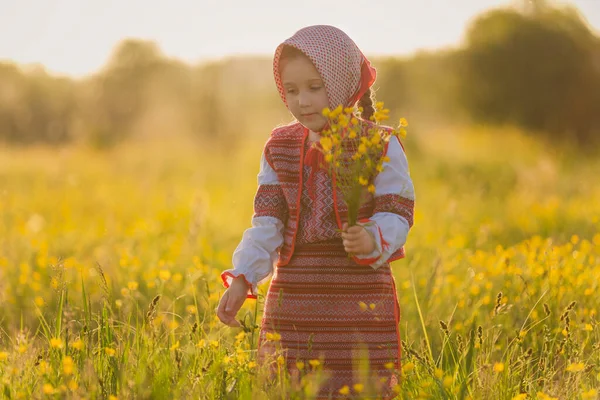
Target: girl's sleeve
x=258, y=251
x=394, y=207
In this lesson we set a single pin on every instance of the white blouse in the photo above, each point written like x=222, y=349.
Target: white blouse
x=257, y=252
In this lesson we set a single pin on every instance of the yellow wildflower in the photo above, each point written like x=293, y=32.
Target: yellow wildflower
x=345, y=390
x=314, y=363
x=326, y=111
x=73, y=386
x=576, y=367
x=362, y=305
x=78, y=344
x=358, y=387
x=67, y=365
x=56, y=343
x=48, y=388
x=447, y=382
x=590, y=394
x=326, y=143
x=164, y=274
x=132, y=285
x=362, y=181
x=403, y=122
x=3, y=355
x=409, y=366
x=275, y=337
x=372, y=306
x=362, y=148
x=110, y=352
x=498, y=367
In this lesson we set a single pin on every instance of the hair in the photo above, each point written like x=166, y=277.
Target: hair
x=366, y=102
x=289, y=53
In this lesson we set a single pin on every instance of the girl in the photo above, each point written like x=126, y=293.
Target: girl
x=322, y=304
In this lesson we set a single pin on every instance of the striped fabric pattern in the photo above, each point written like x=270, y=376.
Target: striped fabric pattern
x=314, y=303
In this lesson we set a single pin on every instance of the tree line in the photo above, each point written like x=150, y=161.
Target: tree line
x=536, y=67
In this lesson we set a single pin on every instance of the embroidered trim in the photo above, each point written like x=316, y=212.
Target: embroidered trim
x=269, y=201
x=396, y=204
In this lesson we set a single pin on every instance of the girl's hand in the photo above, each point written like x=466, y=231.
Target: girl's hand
x=232, y=301
x=357, y=240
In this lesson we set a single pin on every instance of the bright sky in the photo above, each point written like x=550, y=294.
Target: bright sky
x=76, y=37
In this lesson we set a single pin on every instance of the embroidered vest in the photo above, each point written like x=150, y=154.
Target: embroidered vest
x=284, y=152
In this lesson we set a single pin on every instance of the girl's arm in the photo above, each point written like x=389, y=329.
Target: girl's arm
x=257, y=252
x=394, y=207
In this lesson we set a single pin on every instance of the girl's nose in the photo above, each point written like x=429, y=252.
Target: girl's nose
x=303, y=99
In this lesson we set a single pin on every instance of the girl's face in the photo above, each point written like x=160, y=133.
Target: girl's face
x=305, y=92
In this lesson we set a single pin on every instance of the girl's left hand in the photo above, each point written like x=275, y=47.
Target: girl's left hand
x=357, y=240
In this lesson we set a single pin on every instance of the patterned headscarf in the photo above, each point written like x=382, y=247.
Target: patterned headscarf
x=346, y=72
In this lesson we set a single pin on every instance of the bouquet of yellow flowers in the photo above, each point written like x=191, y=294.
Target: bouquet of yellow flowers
x=353, y=152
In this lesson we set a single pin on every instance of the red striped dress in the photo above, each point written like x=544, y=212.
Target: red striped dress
x=327, y=307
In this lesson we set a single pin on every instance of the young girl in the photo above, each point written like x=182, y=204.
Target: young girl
x=322, y=304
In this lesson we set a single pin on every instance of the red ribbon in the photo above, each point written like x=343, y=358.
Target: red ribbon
x=316, y=161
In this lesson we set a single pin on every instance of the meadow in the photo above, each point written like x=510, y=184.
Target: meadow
x=110, y=263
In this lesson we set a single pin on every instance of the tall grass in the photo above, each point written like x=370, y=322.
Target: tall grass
x=110, y=262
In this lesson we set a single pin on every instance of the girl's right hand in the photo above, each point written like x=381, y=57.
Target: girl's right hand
x=231, y=302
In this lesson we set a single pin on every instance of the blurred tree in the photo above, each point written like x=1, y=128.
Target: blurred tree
x=537, y=69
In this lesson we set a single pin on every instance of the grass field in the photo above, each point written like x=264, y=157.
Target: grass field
x=110, y=262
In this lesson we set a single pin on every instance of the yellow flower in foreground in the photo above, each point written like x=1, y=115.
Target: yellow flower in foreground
x=275, y=337
x=372, y=306
x=300, y=365
x=362, y=181
x=48, y=388
x=326, y=111
x=132, y=285
x=314, y=363
x=56, y=343
x=520, y=396
x=390, y=365
x=345, y=390
x=358, y=387
x=362, y=148
x=590, y=394
x=362, y=305
x=3, y=355
x=408, y=367
x=498, y=367
x=78, y=344
x=403, y=122
x=326, y=143
x=109, y=351
x=371, y=188
x=447, y=382
x=544, y=396
x=164, y=274
x=576, y=367
x=67, y=365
